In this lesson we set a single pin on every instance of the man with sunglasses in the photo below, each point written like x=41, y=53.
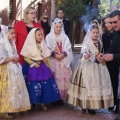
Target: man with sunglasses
x=114, y=54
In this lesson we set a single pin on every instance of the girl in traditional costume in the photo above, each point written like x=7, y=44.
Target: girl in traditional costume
x=40, y=81
x=61, y=56
x=90, y=87
x=95, y=22
x=14, y=96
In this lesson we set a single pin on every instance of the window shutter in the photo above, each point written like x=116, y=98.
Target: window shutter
x=11, y=9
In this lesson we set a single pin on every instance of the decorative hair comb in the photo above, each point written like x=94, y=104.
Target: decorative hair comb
x=57, y=20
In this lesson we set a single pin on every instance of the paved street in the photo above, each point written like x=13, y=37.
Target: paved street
x=64, y=112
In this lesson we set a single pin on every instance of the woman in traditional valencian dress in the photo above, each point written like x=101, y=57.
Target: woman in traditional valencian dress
x=90, y=87
x=61, y=56
x=14, y=96
x=40, y=81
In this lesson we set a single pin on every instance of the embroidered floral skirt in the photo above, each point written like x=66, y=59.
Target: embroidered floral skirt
x=21, y=103
x=62, y=76
x=101, y=94
x=41, y=84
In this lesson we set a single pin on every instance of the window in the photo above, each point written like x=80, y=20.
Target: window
x=11, y=9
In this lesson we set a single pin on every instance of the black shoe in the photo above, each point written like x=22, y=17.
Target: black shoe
x=111, y=108
x=117, y=108
x=54, y=103
x=61, y=102
x=116, y=112
x=91, y=111
x=43, y=107
x=84, y=110
x=33, y=106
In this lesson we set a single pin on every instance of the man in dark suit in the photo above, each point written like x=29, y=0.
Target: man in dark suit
x=60, y=15
x=114, y=54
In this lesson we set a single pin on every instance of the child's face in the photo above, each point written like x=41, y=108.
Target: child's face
x=58, y=28
x=94, y=34
x=38, y=36
x=11, y=34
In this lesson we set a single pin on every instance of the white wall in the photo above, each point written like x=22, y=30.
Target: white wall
x=22, y=4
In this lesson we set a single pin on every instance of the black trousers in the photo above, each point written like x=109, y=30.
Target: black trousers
x=113, y=69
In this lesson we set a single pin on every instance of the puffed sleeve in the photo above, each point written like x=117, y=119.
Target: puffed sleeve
x=48, y=62
x=28, y=60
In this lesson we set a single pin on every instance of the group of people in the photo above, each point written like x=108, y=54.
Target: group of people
x=46, y=56
x=45, y=60
x=59, y=14
x=95, y=80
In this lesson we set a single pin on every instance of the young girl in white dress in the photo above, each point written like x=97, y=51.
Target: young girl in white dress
x=90, y=87
x=61, y=56
x=40, y=80
x=14, y=96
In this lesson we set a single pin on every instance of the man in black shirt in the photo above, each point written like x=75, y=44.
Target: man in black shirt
x=114, y=54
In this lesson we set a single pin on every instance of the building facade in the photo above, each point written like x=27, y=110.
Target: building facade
x=11, y=10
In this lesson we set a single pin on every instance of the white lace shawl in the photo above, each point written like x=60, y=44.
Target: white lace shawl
x=66, y=45
x=5, y=42
x=30, y=49
x=14, y=71
x=97, y=72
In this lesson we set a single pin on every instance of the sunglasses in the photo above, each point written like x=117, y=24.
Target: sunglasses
x=45, y=18
x=114, y=22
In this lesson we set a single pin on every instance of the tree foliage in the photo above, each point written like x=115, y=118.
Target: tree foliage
x=73, y=8
x=104, y=7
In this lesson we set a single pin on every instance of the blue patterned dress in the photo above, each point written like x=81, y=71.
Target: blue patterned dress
x=41, y=84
